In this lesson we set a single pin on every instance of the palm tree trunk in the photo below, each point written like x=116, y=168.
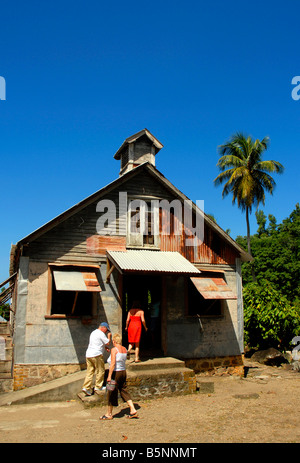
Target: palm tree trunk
x=249, y=245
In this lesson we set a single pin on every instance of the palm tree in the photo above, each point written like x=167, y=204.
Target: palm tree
x=246, y=175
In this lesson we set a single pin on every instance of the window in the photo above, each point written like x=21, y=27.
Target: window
x=149, y=237
x=198, y=305
x=143, y=223
x=206, y=293
x=72, y=291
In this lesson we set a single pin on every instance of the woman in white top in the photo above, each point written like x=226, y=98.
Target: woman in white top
x=117, y=371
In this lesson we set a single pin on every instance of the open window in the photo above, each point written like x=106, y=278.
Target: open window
x=207, y=293
x=72, y=290
x=198, y=305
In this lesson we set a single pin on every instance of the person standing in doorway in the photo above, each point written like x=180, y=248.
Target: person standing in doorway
x=99, y=340
x=134, y=322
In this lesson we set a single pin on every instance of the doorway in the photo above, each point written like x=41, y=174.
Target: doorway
x=147, y=289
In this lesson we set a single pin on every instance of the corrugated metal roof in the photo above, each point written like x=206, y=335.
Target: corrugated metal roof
x=151, y=261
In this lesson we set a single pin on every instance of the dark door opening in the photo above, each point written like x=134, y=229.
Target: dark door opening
x=147, y=290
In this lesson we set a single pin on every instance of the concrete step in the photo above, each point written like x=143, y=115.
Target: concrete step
x=150, y=384
x=155, y=364
x=61, y=389
x=98, y=398
x=157, y=378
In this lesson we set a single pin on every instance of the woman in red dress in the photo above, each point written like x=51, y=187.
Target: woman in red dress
x=134, y=322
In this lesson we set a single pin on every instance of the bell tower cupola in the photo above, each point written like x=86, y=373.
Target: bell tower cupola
x=137, y=149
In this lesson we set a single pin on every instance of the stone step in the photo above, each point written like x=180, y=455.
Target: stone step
x=157, y=378
x=151, y=384
x=98, y=398
x=155, y=364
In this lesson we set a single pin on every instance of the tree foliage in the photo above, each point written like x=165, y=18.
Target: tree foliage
x=245, y=175
x=270, y=320
x=276, y=252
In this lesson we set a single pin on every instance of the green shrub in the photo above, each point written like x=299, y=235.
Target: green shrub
x=269, y=318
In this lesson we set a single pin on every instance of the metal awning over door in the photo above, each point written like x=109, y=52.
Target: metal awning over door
x=151, y=261
x=213, y=288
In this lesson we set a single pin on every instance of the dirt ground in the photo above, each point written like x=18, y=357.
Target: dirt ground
x=264, y=407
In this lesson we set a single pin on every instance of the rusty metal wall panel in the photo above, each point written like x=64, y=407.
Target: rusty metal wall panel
x=98, y=245
x=212, y=251
x=91, y=281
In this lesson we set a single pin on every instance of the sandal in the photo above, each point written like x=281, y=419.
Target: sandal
x=133, y=415
x=104, y=417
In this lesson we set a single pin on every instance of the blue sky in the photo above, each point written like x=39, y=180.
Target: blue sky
x=83, y=76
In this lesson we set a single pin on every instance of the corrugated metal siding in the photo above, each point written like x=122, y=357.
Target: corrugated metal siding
x=152, y=261
x=213, y=250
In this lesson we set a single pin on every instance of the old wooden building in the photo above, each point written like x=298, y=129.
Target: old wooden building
x=127, y=241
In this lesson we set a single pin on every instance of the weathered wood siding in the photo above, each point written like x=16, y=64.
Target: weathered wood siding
x=76, y=238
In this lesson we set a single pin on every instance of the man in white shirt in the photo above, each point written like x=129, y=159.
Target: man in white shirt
x=99, y=340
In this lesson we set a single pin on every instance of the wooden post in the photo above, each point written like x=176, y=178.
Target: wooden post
x=75, y=300
x=109, y=269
